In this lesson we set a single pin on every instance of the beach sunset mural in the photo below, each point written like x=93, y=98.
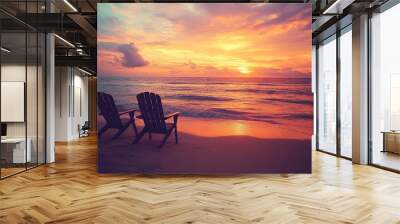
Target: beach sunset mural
x=235, y=79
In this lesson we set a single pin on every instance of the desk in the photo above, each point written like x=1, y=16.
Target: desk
x=391, y=141
x=13, y=150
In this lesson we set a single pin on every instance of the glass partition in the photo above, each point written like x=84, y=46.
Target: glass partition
x=385, y=89
x=22, y=88
x=346, y=92
x=334, y=94
x=13, y=89
x=327, y=95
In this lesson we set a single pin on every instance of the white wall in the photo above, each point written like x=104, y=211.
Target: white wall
x=69, y=112
x=33, y=127
x=80, y=105
x=14, y=73
x=62, y=81
x=17, y=73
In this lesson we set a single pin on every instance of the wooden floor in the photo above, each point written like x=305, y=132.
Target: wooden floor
x=5, y=172
x=70, y=191
x=387, y=159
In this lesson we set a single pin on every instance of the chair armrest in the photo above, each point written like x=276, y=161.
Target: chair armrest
x=176, y=114
x=127, y=112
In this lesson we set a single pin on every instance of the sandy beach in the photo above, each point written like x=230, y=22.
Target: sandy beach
x=212, y=146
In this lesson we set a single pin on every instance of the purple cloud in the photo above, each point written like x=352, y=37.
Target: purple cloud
x=286, y=15
x=131, y=57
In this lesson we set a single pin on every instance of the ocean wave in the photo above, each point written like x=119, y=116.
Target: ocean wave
x=199, y=98
x=231, y=99
x=281, y=84
x=227, y=111
x=269, y=84
x=198, y=83
x=299, y=116
x=176, y=83
x=273, y=91
x=293, y=116
x=229, y=114
x=180, y=88
x=233, y=114
x=293, y=101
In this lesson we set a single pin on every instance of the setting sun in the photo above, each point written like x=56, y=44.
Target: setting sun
x=243, y=70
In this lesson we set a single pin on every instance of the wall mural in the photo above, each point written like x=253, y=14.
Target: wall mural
x=204, y=88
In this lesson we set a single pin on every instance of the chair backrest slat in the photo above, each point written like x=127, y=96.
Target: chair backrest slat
x=107, y=107
x=152, y=112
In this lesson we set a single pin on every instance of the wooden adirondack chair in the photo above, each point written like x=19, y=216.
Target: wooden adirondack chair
x=152, y=113
x=110, y=113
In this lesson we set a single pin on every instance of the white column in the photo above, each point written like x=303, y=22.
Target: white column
x=360, y=89
x=62, y=103
x=50, y=92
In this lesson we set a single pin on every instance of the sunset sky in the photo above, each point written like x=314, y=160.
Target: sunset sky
x=219, y=39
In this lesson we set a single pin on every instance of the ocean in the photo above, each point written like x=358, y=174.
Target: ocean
x=272, y=100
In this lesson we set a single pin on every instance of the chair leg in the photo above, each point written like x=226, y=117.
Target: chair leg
x=141, y=134
x=150, y=135
x=102, y=130
x=135, y=128
x=176, y=134
x=165, y=138
x=176, y=128
x=120, y=131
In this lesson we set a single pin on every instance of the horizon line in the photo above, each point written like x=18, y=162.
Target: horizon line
x=241, y=77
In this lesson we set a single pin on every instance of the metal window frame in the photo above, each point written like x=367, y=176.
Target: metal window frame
x=381, y=9
x=44, y=74
x=339, y=32
x=387, y=5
